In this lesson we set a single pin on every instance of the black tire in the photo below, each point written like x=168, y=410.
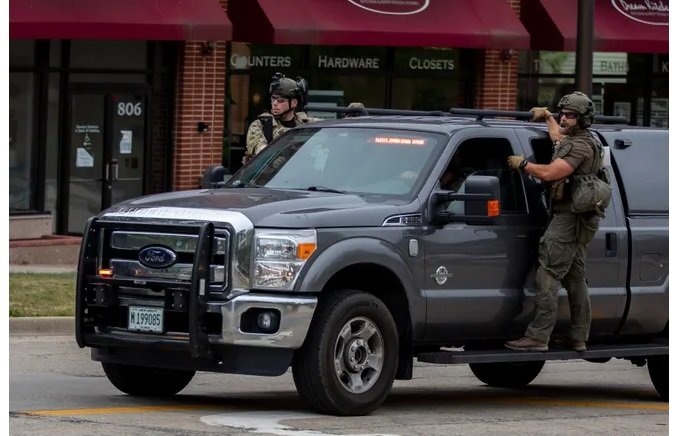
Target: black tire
x=349, y=359
x=507, y=374
x=147, y=382
x=658, y=372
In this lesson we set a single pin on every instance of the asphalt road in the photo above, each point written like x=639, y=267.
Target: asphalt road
x=54, y=388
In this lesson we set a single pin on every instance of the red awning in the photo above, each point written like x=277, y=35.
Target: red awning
x=419, y=23
x=118, y=19
x=620, y=25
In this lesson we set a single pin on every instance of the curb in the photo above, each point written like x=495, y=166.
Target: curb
x=42, y=326
x=43, y=269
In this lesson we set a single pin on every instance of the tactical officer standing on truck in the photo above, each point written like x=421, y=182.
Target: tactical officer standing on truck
x=287, y=96
x=562, y=251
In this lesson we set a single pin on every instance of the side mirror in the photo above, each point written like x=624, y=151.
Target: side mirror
x=213, y=177
x=481, y=197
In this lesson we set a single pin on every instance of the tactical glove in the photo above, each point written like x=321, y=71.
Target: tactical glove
x=517, y=162
x=540, y=113
x=355, y=105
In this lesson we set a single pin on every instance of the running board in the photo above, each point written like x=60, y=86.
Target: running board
x=504, y=355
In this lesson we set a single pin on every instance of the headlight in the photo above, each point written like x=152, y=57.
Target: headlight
x=280, y=255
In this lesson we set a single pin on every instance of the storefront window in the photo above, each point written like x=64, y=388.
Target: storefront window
x=52, y=146
x=253, y=57
x=623, y=84
x=426, y=79
x=658, y=114
x=21, y=53
x=424, y=94
x=343, y=75
x=378, y=77
x=21, y=98
x=118, y=55
x=343, y=89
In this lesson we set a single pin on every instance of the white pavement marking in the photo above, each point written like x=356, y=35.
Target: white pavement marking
x=269, y=422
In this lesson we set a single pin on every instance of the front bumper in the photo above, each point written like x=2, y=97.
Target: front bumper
x=296, y=316
x=233, y=351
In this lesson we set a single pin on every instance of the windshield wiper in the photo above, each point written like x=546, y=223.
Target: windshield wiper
x=325, y=189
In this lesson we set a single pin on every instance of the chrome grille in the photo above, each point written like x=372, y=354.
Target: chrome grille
x=124, y=251
x=179, y=243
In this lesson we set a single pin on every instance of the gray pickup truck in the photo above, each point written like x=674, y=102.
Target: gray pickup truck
x=340, y=252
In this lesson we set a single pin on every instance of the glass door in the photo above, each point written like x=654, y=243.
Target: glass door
x=107, y=144
x=126, y=155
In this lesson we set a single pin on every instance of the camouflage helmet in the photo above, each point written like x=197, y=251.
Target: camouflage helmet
x=581, y=104
x=284, y=87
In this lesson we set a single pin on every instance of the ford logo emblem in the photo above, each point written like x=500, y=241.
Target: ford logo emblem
x=157, y=257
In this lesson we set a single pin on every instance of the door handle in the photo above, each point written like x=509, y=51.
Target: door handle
x=114, y=169
x=610, y=245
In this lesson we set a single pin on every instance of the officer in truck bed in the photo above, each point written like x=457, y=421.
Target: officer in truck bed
x=287, y=95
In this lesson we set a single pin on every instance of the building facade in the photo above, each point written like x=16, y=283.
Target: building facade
x=102, y=113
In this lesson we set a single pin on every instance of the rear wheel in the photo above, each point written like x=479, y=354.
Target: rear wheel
x=658, y=372
x=147, y=382
x=349, y=360
x=507, y=374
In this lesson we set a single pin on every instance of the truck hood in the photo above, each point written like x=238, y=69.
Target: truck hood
x=280, y=208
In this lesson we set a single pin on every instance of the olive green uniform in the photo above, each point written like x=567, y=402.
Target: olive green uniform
x=256, y=140
x=562, y=251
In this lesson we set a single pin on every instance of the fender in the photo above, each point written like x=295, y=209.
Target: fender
x=366, y=250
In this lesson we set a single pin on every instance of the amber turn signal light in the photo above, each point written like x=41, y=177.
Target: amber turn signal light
x=105, y=272
x=493, y=208
x=305, y=250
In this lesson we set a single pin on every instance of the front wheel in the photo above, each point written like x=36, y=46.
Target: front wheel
x=349, y=360
x=142, y=381
x=507, y=374
x=658, y=372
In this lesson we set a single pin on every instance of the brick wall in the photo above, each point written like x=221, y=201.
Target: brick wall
x=497, y=76
x=159, y=140
x=200, y=97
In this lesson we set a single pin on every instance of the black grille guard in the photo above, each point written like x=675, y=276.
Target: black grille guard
x=198, y=297
x=198, y=286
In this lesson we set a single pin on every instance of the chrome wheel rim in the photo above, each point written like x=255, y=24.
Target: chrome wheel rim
x=358, y=355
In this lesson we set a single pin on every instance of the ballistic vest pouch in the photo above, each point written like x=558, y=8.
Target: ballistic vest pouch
x=592, y=192
x=559, y=190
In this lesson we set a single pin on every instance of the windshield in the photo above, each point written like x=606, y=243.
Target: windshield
x=348, y=160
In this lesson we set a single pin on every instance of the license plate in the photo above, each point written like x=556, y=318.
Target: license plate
x=145, y=319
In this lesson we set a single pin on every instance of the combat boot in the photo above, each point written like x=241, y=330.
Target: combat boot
x=526, y=344
x=569, y=344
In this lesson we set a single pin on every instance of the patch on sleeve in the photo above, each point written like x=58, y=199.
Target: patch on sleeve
x=578, y=152
x=562, y=149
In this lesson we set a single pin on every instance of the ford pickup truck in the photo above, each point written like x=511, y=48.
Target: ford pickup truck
x=339, y=252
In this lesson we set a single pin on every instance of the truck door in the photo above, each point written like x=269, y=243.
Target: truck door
x=606, y=258
x=475, y=274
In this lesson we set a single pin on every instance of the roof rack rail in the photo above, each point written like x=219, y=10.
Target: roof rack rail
x=373, y=111
x=522, y=115
x=479, y=114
